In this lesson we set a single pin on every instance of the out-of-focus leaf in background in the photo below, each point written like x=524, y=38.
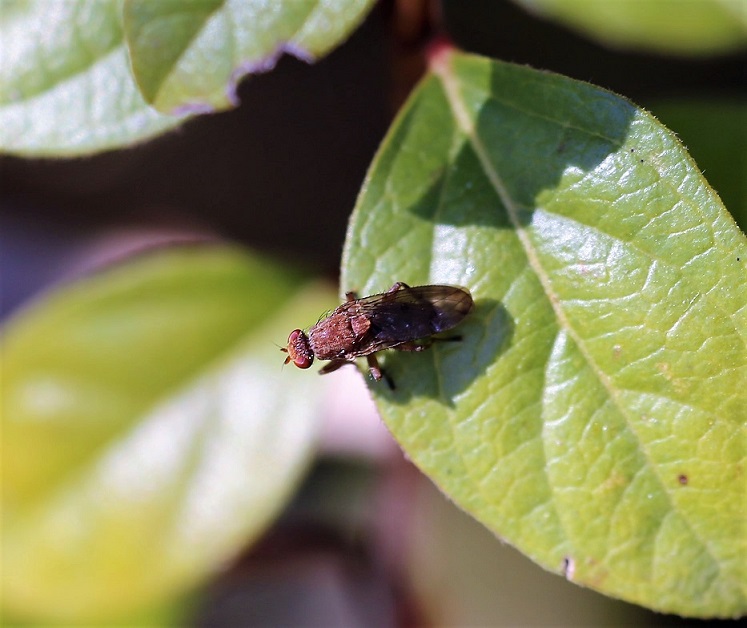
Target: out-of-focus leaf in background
x=188, y=55
x=66, y=68
x=681, y=27
x=149, y=432
x=65, y=83
x=593, y=414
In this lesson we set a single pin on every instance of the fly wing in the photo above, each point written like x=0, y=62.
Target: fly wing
x=412, y=313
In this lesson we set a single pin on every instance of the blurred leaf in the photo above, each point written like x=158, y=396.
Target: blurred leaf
x=188, y=55
x=174, y=613
x=688, y=28
x=148, y=431
x=65, y=82
x=715, y=133
x=593, y=415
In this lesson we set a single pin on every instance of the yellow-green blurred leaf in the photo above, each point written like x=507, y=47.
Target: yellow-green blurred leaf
x=148, y=430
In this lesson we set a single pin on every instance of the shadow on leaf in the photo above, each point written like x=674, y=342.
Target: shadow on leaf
x=448, y=368
x=517, y=154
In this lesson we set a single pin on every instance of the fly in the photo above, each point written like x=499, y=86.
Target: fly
x=402, y=318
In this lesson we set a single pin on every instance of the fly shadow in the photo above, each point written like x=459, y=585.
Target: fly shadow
x=515, y=163
x=446, y=369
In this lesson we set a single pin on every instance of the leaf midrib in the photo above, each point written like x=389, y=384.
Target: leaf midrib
x=442, y=68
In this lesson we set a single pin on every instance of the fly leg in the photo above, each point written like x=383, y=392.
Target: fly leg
x=394, y=289
x=353, y=296
x=377, y=373
x=373, y=367
x=413, y=346
x=422, y=346
x=400, y=285
x=333, y=366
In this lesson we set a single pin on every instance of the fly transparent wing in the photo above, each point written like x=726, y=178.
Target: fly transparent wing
x=411, y=313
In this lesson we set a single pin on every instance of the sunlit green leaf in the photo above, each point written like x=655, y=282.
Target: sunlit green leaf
x=594, y=413
x=188, y=55
x=683, y=27
x=148, y=430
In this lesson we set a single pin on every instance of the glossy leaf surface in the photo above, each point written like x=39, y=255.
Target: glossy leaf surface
x=149, y=432
x=594, y=413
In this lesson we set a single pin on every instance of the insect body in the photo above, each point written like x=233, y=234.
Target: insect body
x=395, y=319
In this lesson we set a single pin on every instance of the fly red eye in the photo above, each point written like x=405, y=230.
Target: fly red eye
x=299, y=351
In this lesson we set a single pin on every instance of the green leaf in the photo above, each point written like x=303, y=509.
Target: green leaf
x=66, y=68
x=148, y=430
x=188, y=55
x=691, y=28
x=594, y=413
x=65, y=82
x=715, y=133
